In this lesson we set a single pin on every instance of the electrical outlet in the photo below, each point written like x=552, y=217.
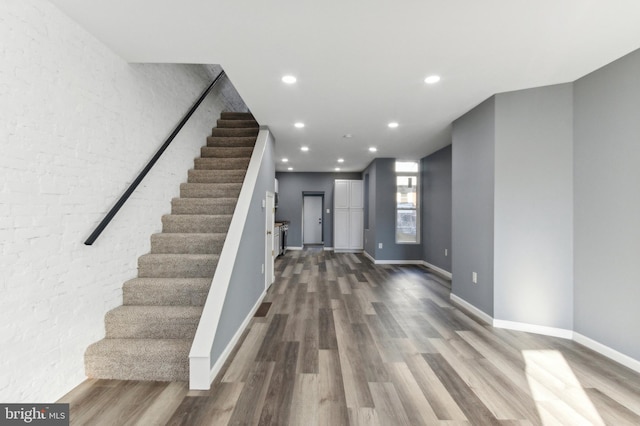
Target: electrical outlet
x=328, y=211
x=446, y=252
x=379, y=245
x=263, y=268
x=474, y=277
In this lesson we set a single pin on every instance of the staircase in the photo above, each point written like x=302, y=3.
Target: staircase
x=149, y=337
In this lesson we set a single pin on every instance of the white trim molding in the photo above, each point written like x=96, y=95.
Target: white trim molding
x=200, y=355
x=441, y=271
x=611, y=353
x=232, y=343
x=471, y=308
x=368, y=256
x=328, y=249
x=294, y=248
x=533, y=328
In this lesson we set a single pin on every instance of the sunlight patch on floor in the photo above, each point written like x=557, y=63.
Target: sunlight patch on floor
x=558, y=395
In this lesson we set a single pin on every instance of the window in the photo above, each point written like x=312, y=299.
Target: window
x=407, y=203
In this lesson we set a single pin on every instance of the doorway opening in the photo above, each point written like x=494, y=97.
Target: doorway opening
x=312, y=218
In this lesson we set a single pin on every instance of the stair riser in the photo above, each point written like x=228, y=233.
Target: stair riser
x=229, y=115
x=235, y=124
x=185, y=268
x=195, y=224
x=221, y=163
x=225, y=152
x=216, y=176
x=209, y=191
x=153, y=328
x=187, y=206
x=186, y=243
x=153, y=365
x=228, y=141
x=139, y=292
x=237, y=132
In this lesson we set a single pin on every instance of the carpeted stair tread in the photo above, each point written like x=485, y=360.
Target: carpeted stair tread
x=139, y=359
x=210, y=190
x=198, y=206
x=221, y=163
x=225, y=152
x=237, y=124
x=231, y=141
x=166, y=291
x=196, y=223
x=232, y=115
x=187, y=243
x=216, y=176
x=177, y=265
x=152, y=322
x=235, y=132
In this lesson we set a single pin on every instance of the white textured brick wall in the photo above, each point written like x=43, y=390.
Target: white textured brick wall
x=77, y=124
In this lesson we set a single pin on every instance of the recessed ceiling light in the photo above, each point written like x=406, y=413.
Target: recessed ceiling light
x=373, y=149
x=340, y=160
x=337, y=169
x=348, y=136
x=299, y=125
x=304, y=148
x=289, y=79
x=285, y=160
x=289, y=168
x=393, y=124
x=432, y=79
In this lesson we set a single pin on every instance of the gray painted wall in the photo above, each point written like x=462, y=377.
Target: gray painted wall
x=473, y=137
x=607, y=205
x=382, y=224
x=436, y=208
x=247, y=280
x=533, y=210
x=291, y=186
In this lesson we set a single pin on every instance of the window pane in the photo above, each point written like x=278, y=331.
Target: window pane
x=406, y=230
x=407, y=166
x=406, y=196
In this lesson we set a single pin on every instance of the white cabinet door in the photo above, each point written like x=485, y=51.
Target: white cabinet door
x=341, y=194
x=356, y=194
x=356, y=218
x=276, y=241
x=340, y=228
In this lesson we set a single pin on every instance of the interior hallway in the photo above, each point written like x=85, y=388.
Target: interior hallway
x=344, y=341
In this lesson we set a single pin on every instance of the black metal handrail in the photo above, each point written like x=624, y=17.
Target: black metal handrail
x=103, y=224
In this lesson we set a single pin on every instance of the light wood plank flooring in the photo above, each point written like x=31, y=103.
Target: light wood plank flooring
x=340, y=341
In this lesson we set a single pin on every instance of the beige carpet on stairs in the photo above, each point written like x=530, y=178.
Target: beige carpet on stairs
x=149, y=337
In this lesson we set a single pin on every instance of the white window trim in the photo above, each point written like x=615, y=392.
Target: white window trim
x=417, y=209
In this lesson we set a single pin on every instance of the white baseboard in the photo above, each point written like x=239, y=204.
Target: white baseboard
x=328, y=249
x=294, y=248
x=611, y=353
x=368, y=256
x=391, y=262
x=348, y=250
x=232, y=343
x=441, y=271
x=398, y=262
x=469, y=307
x=533, y=328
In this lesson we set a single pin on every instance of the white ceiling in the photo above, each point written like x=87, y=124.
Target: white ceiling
x=361, y=63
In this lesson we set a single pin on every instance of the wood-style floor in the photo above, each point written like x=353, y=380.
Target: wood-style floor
x=346, y=342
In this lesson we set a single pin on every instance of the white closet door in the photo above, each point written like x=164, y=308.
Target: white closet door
x=341, y=194
x=341, y=229
x=356, y=194
x=356, y=219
